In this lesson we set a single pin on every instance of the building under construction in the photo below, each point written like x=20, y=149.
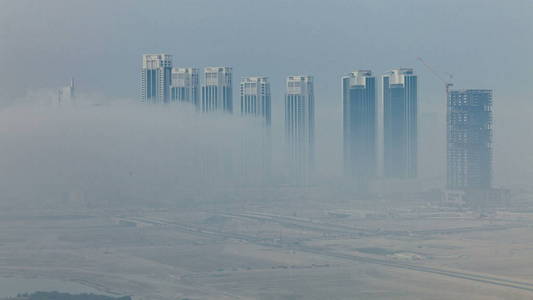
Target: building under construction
x=469, y=152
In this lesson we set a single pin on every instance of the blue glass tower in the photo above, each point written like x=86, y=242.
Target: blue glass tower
x=400, y=124
x=256, y=158
x=359, y=125
x=300, y=125
x=185, y=85
x=156, y=78
x=255, y=98
x=217, y=91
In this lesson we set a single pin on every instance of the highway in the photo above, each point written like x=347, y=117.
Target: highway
x=217, y=234
x=357, y=232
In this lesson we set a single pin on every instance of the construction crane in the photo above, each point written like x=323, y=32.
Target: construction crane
x=447, y=83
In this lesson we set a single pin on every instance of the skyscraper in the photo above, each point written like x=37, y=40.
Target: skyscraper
x=255, y=97
x=400, y=114
x=185, y=85
x=156, y=78
x=469, y=151
x=66, y=94
x=256, y=156
x=359, y=124
x=300, y=124
x=217, y=92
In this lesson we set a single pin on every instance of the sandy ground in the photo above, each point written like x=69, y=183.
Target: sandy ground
x=249, y=250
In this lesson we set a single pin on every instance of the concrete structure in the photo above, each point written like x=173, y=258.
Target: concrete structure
x=469, y=150
x=255, y=98
x=256, y=157
x=217, y=92
x=66, y=94
x=300, y=124
x=359, y=125
x=156, y=78
x=185, y=85
x=400, y=122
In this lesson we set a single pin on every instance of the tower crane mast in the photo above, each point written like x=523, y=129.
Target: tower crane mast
x=447, y=83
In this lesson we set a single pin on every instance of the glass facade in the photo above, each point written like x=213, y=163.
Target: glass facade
x=185, y=85
x=400, y=124
x=359, y=125
x=300, y=124
x=217, y=92
x=156, y=78
x=255, y=98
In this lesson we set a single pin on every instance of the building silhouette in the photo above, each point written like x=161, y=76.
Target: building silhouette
x=400, y=132
x=67, y=94
x=255, y=98
x=256, y=157
x=185, y=85
x=217, y=92
x=359, y=125
x=156, y=78
x=300, y=125
x=469, y=134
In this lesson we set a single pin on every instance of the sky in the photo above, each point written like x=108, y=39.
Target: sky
x=483, y=43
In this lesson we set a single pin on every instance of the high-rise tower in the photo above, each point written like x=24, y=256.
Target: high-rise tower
x=185, y=85
x=256, y=157
x=400, y=121
x=66, y=94
x=217, y=92
x=156, y=78
x=255, y=97
x=300, y=124
x=469, y=151
x=359, y=124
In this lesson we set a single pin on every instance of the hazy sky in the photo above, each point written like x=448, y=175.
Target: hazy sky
x=484, y=43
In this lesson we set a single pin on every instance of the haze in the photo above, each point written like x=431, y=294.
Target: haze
x=114, y=196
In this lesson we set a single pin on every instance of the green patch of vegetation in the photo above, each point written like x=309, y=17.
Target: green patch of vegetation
x=65, y=296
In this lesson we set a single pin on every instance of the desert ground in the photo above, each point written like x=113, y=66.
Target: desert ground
x=283, y=243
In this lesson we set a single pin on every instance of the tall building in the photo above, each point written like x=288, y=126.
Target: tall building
x=185, y=85
x=400, y=132
x=256, y=156
x=300, y=124
x=469, y=151
x=156, y=78
x=359, y=124
x=255, y=98
x=217, y=92
x=66, y=94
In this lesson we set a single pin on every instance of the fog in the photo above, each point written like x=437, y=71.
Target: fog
x=117, y=197
x=117, y=150
x=111, y=149
x=113, y=196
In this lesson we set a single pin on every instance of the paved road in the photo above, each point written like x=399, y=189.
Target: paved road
x=213, y=233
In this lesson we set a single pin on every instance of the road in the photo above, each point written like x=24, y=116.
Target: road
x=213, y=233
